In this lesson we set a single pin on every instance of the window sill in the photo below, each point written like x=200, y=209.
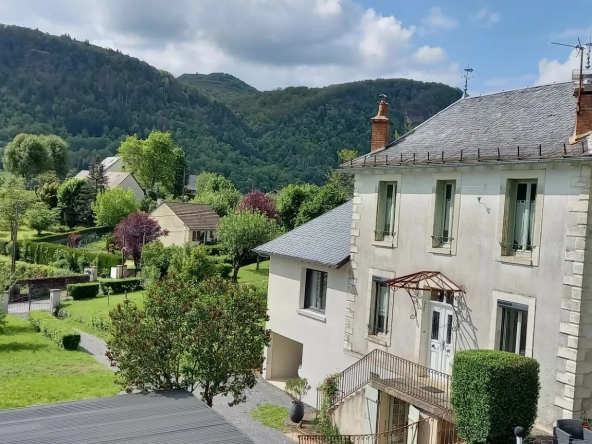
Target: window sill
x=312, y=314
x=384, y=244
x=516, y=260
x=445, y=251
x=378, y=339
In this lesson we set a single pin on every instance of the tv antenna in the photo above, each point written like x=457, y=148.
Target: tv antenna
x=580, y=78
x=589, y=45
x=467, y=75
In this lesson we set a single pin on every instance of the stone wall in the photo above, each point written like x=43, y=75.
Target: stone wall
x=39, y=288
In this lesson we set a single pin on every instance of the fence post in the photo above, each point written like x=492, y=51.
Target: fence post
x=5, y=301
x=520, y=434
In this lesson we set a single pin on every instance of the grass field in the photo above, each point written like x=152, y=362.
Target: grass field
x=249, y=275
x=24, y=233
x=36, y=371
x=270, y=415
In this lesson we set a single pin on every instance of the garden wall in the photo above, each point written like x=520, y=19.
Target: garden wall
x=39, y=288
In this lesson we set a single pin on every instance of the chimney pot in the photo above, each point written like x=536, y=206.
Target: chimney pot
x=381, y=127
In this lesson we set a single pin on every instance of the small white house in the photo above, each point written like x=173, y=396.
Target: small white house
x=117, y=177
x=186, y=222
x=307, y=295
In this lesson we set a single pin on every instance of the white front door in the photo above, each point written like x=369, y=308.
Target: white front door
x=440, y=350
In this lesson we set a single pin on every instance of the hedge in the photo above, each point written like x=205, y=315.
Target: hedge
x=54, y=329
x=24, y=270
x=83, y=291
x=491, y=393
x=84, y=232
x=100, y=321
x=44, y=253
x=119, y=286
x=225, y=270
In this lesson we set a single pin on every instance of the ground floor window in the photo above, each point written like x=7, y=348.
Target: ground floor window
x=513, y=328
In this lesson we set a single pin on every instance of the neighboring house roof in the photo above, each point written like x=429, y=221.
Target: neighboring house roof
x=539, y=120
x=173, y=416
x=191, y=183
x=113, y=179
x=322, y=241
x=195, y=216
x=109, y=161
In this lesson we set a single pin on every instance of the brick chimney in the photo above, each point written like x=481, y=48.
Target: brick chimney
x=381, y=127
x=583, y=126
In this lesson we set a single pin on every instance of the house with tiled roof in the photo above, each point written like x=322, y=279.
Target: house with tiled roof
x=186, y=222
x=117, y=177
x=471, y=231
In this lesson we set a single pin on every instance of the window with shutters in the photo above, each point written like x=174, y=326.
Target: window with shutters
x=385, y=214
x=519, y=218
x=315, y=291
x=443, y=213
x=379, y=315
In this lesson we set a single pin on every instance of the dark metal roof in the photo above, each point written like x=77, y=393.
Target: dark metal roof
x=167, y=417
x=322, y=241
x=195, y=216
x=521, y=125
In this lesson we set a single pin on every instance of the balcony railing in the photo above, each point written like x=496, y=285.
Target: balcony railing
x=419, y=383
x=425, y=431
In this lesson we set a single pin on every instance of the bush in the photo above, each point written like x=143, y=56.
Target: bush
x=63, y=235
x=120, y=286
x=83, y=291
x=54, y=329
x=100, y=321
x=493, y=392
x=225, y=270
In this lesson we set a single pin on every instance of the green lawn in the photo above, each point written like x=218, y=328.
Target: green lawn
x=249, y=275
x=82, y=310
x=25, y=233
x=270, y=415
x=36, y=371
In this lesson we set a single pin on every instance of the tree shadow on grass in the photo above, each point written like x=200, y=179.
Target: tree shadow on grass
x=21, y=346
x=16, y=330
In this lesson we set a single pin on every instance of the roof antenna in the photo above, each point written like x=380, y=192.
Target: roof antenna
x=467, y=75
x=589, y=45
x=577, y=76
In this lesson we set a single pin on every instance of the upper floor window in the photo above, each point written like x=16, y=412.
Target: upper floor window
x=380, y=307
x=519, y=217
x=385, y=214
x=315, y=290
x=443, y=213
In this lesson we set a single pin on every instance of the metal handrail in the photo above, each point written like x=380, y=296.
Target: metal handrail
x=418, y=381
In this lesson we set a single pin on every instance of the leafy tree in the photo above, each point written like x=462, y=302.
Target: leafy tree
x=343, y=181
x=241, y=232
x=328, y=197
x=57, y=151
x=112, y=206
x=155, y=255
x=13, y=196
x=135, y=231
x=26, y=156
x=181, y=173
x=204, y=182
x=40, y=217
x=151, y=160
x=258, y=201
x=207, y=337
x=75, y=197
x=49, y=184
x=97, y=176
x=192, y=264
x=222, y=202
x=289, y=201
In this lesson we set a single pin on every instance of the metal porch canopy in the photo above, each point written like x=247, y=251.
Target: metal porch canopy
x=424, y=280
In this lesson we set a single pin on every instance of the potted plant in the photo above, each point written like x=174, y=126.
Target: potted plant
x=297, y=388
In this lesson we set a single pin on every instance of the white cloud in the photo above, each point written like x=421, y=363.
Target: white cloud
x=438, y=20
x=485, y=17
x=552, y=71
x=429, y=55
x=267, y=43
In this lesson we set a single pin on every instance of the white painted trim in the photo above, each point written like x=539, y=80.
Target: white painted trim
x=388, y=178
x=495, y=319
x=312, y=314
x=382, y=339
x=534, y=259
x=456, y=176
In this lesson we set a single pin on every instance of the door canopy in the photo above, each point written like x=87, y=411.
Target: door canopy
x=425, y=280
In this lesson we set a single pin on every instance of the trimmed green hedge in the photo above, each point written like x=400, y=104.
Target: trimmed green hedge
x=30, y=271
x=225, y=270
x=83, y=232
x=54, y=329
x=493, y=392
x=120, y=286
x=83, y=291
x=44, y=253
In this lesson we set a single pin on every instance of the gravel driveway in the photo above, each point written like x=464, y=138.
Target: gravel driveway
x=239, y=415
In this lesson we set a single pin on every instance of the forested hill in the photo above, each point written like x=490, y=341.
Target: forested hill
x=94, y=97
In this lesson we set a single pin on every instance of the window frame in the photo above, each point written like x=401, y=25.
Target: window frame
x=450, y=248
x=440, y=208
x=387, y=241
x=382, y=339
x=526, y=303
x=374, y=330
x=511, y=215
x=307, y=304
x=532, y=258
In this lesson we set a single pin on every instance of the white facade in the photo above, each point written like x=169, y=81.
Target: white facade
x=302, y=336
x=178, y=232
x=129, y=182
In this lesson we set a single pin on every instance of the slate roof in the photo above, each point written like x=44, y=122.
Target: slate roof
x=174, y=416
x=191, y=183
x=113, y=178
x=539, y=120
x=195, y=216
x=322, y=241
x=109, y=161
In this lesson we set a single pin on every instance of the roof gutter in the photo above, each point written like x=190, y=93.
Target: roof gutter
x=337, y=266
